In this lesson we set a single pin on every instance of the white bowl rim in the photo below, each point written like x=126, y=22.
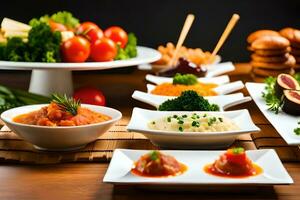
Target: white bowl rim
x=10, y=121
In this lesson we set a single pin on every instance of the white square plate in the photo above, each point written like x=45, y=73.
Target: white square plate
x=219, y=80
x=190, y=140
x=220, y=90
x=282, y=122
x=119, y=170
x=223, y=101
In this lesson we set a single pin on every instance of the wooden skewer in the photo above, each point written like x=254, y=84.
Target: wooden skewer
x=228, y=29
x=186, y=27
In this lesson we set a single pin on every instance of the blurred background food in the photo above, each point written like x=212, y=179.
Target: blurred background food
x=197, y=55
x=274, y=52
x=155, y=23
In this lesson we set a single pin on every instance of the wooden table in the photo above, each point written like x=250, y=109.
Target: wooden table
x=84, y=181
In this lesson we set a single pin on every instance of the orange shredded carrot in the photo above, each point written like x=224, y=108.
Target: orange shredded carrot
x=168, y=89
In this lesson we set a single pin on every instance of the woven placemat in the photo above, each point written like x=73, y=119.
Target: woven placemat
x=15, y=150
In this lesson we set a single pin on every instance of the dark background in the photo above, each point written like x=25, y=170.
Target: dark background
x=159, y=21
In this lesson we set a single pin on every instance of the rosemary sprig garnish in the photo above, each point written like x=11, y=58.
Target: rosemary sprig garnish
x=66, y=103
x=273, y=102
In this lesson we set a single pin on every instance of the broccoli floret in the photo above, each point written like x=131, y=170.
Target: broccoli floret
x=188, y=101
x=185, y=79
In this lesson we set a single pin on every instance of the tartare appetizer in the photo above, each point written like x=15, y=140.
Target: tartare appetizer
x=183, y=83
x=234, y=163
x=193, y=123
x=156, y=164
x=62, y=111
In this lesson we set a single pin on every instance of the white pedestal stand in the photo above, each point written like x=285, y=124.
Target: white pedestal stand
x=46, y=82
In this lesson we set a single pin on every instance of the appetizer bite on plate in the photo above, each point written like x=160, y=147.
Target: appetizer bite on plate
x=234, y=163
x=156, y=164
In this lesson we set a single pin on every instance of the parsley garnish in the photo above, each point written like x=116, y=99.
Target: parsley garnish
x=238, y=150
x=154, y=155
x=273, y=102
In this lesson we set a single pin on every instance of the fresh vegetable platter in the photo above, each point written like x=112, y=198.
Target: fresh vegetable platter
x=53, y=46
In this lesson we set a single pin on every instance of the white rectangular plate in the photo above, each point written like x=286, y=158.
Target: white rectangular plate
x=223, y=101
x=190, y=140
x=282, y=122
x=220, y=90
x=119, y=170
x=219, y=80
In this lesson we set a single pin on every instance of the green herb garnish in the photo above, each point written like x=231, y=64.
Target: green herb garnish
x=195, y=124
x=238, y=150
x=273, y=102
x=185, y=79
x=169, y=119
x=68, y=104
x=180, y=128
x=211, y=121
x=154, y=155
x=297, y=130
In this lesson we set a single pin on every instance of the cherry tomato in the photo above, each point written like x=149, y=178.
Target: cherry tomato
x=57, y=26
x=117, y=34
x=90, y=95
x=90, y=30
x=103, y=50
x=75, y=49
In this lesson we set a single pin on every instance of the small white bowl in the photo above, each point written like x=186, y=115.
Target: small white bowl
x=64, y=138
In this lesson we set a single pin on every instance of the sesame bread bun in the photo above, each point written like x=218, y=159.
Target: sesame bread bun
x=253, y=36
x=270, y=42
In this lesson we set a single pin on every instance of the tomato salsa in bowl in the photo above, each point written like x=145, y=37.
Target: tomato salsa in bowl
x=49, y=128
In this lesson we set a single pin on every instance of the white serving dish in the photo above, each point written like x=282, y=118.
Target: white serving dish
x=119, y=170
x=48, y=78
x=59, y=138
x=282, y=122
x=215, y=69
x=190, y=140
x=219, y=80
x=220, y=90
x=224, y=101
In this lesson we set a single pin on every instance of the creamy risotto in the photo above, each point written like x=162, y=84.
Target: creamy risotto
x=194, y=123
